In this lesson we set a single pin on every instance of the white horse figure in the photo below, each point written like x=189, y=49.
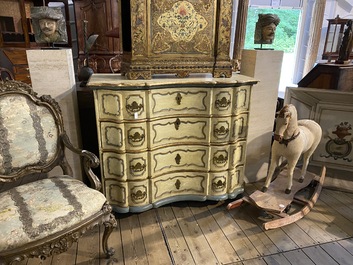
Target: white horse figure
x=292, y=139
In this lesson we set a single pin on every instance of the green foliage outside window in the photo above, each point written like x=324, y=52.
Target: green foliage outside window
x=286, y=31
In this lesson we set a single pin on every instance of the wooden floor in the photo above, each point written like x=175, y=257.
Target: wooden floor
x=207, y=233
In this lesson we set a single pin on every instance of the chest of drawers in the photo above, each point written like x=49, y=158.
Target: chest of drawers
x=171, y=139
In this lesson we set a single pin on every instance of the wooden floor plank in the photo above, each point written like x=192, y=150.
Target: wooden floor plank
x=258, y=261
x=132, y=240
x=219, y=243
x=343, y=197
x=338, y=253
x=298, y=257
x=174, y=237
x=319, y=256
x=277, y=236
x=335, y=217
x=298, y=236
x=235, y=235
x=88, y=250
x=156, y=249
x=276, y=259
x=347, y=244
x=322, y=220
x=254, y=233
x=327, y=197
x=198, y=245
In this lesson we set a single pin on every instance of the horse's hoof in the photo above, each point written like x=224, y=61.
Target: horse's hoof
x=288, y=191
x=301, y=180
x=264, y=189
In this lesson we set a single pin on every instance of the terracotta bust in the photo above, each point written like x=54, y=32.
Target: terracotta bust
x=48, y=24
x=266, y=28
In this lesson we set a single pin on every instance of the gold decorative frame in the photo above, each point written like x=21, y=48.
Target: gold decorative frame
x=181, y=37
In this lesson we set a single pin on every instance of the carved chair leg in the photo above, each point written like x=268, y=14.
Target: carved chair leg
x=108, y=229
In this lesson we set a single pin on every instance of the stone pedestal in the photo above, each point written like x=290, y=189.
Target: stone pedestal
x=52, y=73
x=265, y=66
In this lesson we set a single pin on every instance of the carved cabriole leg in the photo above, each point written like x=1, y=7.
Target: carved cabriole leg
x=109, y=223
x=108, y=229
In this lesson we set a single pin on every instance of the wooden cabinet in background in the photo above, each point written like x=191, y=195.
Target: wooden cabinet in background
x=18, y=59
x=102, y=19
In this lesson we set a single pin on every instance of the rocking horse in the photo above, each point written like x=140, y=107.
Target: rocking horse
x=292, y=138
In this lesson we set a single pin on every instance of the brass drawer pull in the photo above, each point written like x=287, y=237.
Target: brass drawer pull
x=134, y=107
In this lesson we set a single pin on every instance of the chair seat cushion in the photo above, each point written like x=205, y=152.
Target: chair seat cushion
x=39, y=209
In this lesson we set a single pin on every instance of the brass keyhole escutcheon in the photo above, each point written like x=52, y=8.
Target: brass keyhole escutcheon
x=177, y=124
x=177, y=159
x=178, y=98
x=177, y=184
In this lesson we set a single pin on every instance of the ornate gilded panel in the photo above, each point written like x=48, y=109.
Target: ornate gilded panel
x=181, y=37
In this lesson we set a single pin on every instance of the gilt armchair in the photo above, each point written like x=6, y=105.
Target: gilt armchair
x=46, y=215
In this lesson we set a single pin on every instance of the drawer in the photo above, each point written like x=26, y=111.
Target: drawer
x=125, y=194
x=240, y=124
x=218, y=183
x=237, y=151
x=123, y=137
x=179, y=131
x=166, y=102
x=236, y=177
x=120, y=105
x=241, y=101
x=219, y=158
x=220, y=130
x=124, y=166
x=177, y=184
x=222, y=101
x=116, y=192
x=185, y=158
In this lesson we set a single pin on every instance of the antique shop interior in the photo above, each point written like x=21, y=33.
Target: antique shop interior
x=176, y=132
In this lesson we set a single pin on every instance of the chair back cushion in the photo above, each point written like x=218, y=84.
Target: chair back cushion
x=29, y=133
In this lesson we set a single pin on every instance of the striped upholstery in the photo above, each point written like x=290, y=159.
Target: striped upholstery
x=28, y=134
x=41, y=208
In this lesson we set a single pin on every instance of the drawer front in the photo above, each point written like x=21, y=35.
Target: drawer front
x=179, y=130
x=240, y=124
x=222, y=101
x=185, y=158
x=124, y=166
x=241, y=99
x=116, y=192
x=236, y=178
x=123, y=137
x=220, y=130
x=124, y=194
x=138, y=193
x=238, y=151
x=178, y=184
x=219, y=158
x=218, y=183
x=120, y=105
x=189, y=101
